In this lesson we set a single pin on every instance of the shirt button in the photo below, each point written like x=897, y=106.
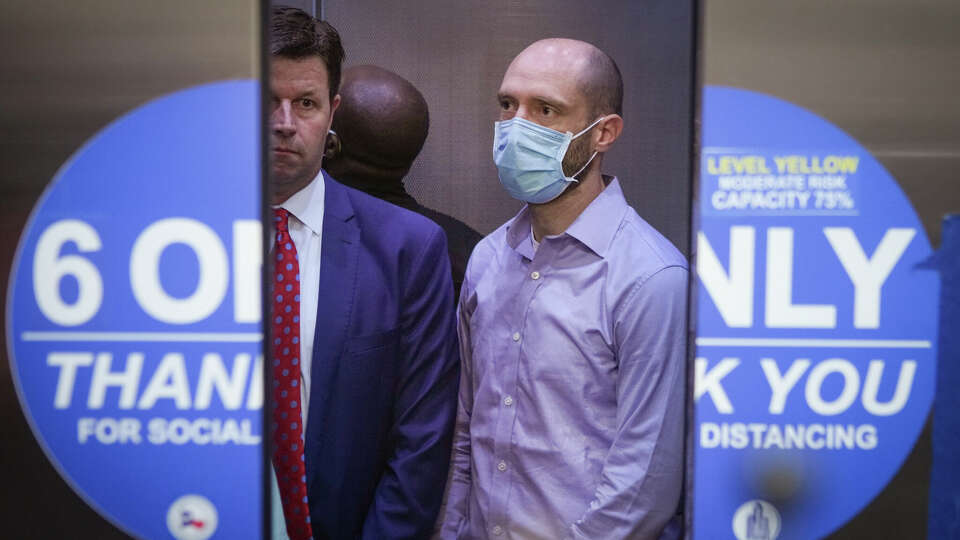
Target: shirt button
x=516, y=336
x=502, y=466
x=508, y=401
x=497, y=530
x=535, y=275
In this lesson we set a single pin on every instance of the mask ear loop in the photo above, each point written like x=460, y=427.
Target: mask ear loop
x=587, y=164
x=588, y=128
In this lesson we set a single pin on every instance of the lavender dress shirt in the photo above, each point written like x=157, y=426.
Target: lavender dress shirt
x=571, y=407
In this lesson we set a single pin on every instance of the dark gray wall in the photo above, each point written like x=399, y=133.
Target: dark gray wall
x=456, y=54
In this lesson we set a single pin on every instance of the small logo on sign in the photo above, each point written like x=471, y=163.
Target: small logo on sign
x=756, y=520
x=192, y=517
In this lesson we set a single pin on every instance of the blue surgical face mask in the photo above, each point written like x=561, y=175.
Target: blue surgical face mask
x=529, y=159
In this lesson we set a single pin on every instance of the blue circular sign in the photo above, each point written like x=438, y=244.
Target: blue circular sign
x=816, y=331
x=133, y=317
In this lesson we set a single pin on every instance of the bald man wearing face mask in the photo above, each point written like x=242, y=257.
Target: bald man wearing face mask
x=377, y=133
x=572, y=327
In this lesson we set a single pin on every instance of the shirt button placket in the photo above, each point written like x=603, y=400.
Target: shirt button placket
x=498, y=513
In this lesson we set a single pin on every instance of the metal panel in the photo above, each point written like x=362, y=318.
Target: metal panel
x=69, y=69
x=885, y=72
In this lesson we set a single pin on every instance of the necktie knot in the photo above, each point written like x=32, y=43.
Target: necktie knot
x=280, y=217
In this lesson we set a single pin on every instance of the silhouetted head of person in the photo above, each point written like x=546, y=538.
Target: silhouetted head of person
x=378, y=130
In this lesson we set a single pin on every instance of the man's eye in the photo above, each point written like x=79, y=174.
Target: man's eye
x=307, y=103
x=505, y=105
x=546, y=111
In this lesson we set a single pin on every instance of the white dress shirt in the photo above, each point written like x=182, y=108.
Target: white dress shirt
x=306, y=230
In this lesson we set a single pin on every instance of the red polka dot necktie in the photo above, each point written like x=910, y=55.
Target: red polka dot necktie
x=288, y=459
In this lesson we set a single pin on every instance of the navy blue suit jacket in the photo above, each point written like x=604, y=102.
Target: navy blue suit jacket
x=384, y=374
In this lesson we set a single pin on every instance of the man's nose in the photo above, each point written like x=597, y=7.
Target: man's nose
x=524, y=112
x=281, y=121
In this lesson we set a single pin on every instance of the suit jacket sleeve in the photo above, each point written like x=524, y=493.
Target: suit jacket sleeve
x=408, y=495
x=459, y=481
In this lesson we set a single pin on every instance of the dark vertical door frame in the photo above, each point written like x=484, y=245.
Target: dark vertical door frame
x=266, y=502
x=696, y=104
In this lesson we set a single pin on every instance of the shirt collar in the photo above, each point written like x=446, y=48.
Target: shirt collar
x=599, y=221
x=307, y=204
x=594, y=227
x=520, y=232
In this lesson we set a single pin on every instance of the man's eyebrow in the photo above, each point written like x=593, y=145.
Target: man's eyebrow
x=556, y=103
x=310, y=92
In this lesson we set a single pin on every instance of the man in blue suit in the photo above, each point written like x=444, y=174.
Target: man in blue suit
x=363, y=329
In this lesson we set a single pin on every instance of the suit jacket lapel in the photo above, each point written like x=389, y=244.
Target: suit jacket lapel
x=339, y=252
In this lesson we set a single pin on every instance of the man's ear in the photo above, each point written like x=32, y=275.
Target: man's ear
x=332, y=148
x=609, y=130
x=334, y=103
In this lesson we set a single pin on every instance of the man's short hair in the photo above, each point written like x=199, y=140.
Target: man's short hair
x=295, y=34
x=602, y=83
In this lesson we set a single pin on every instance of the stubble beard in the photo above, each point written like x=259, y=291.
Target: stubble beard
x=578, y=153
x=286, y=181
